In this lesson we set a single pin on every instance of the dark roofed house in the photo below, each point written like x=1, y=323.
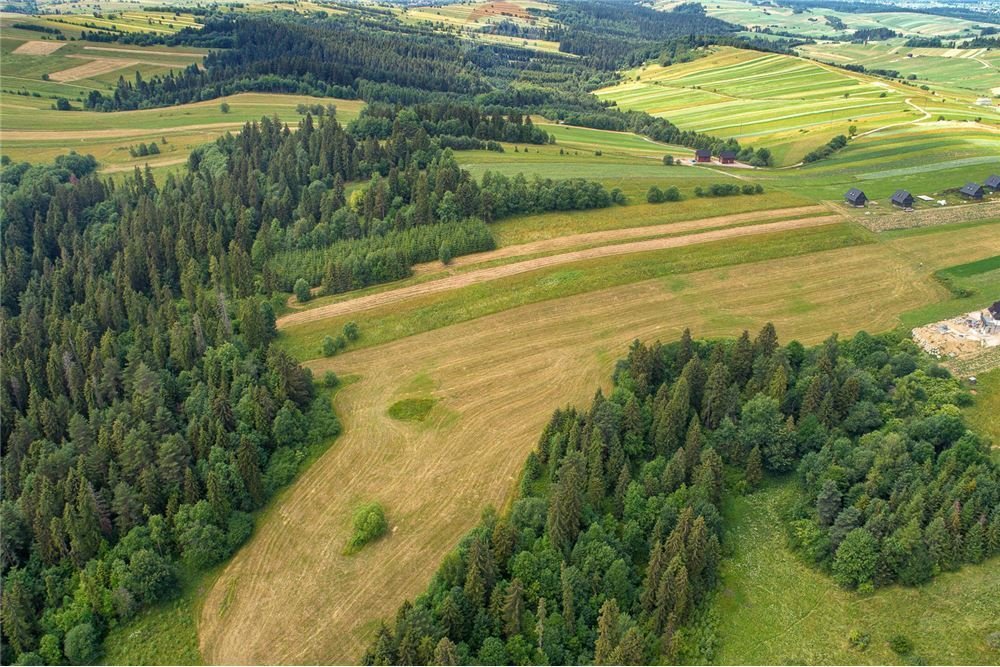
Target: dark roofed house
x=972, y=191
x=993, y=182
x=727, y=157
x=855, y=197
x=995, y=310
x=902, y=198
x=703, y=155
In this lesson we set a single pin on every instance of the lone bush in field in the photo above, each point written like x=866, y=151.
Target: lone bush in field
x=224, y=107
x=329, y=346
x=369, y=525
x=654, y=195
x=351, y=331
x=302, y=293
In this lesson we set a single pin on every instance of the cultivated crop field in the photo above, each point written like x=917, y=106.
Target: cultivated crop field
x=977, y=70
x=811, y=21
x=512, y=368
x=734, y=93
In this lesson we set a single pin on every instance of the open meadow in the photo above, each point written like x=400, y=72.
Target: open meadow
x=812, y=21
x=772, y=608
x=512, y=368
x=735, y=93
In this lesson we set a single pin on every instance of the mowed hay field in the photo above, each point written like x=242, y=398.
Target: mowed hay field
x=772, y=608
x=791, y=105
x=291, y=596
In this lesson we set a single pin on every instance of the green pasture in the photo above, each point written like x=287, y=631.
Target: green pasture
x=976, y=70
x=811, y=22
x=771, y=608
x=790, y=105
x=467, y=303
x=35, y=132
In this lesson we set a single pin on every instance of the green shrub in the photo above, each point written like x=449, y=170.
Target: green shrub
x=859, y=640
x=369, y=525
x=330, y=380
x=900, y=645
x=82, y=645
x=351, y=331
x=302, y=293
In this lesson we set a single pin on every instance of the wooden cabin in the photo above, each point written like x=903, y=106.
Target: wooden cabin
x=902, y=198
x=992, y=183
x=971, y=191
x=727, y=157
x=703, y=155
x=855, y=197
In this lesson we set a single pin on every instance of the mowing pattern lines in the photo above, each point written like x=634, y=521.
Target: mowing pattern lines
x=289, y=596
x=506, y=270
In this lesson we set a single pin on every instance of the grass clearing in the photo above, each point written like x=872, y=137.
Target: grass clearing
x=411, y=409
x=982, y=415
x=497, y=379
x=773, y=609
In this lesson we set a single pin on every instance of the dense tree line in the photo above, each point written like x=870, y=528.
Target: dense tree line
x=610, y=550
x=448, y=119
x=827, y=149
x=144, y=412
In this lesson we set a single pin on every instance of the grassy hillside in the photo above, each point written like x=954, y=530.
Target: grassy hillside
x=773, y=609
x=735, y=93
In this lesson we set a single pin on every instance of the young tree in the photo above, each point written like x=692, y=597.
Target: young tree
x=302, y=292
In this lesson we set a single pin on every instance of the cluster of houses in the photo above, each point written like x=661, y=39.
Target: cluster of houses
x=904, y=199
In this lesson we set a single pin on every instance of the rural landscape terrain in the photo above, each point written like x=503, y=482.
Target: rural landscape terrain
x=515, y=332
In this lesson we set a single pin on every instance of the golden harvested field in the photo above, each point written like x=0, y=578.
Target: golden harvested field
x=290, y=596
x=92, y=68
x=459, y=280
x=38, y=48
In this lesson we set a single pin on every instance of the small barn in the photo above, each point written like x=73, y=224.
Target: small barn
x=855, y=197
x=727, y=157
x=902, y=198
x=703, y=155
x=971, y=191
x=993, y=183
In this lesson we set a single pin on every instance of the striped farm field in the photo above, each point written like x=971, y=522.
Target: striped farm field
x=790, y=105
x=977, y=70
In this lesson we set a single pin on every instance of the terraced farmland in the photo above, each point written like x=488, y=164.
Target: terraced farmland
x=791, y=105
x=811, y=21
x=977, y=70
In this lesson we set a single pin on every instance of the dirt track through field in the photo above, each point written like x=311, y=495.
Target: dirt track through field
x=38, y=48
x=614, y=235
x=290, y=596
x=506, y=270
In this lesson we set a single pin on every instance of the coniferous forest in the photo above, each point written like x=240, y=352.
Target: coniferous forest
x=611, y=547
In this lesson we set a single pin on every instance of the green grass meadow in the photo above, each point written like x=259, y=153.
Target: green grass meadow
x=771, y=608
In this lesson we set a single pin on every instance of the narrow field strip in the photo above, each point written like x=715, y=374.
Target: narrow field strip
x=506, y=270
x=615, y=235
x=38, y=48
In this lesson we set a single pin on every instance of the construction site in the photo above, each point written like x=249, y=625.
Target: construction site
x=962, y=337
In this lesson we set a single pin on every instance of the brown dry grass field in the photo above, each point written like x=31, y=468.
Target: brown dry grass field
x=459, y=280
x=38, y=48
x=290, y=596
x=92, y=68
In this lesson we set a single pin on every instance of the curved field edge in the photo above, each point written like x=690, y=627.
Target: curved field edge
x=773, y=609
x=167, y=633
x=289, y=596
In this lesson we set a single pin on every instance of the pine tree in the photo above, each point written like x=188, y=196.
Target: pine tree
x=563, y=522
x=445, y=653
x=513, y=608
x=608, y=632
x=568, y=602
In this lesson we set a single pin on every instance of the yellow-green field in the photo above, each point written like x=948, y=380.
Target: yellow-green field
x=773, y=609
x=511, y=368
x=977, y=70
x=790, y=105
x=811, y=21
